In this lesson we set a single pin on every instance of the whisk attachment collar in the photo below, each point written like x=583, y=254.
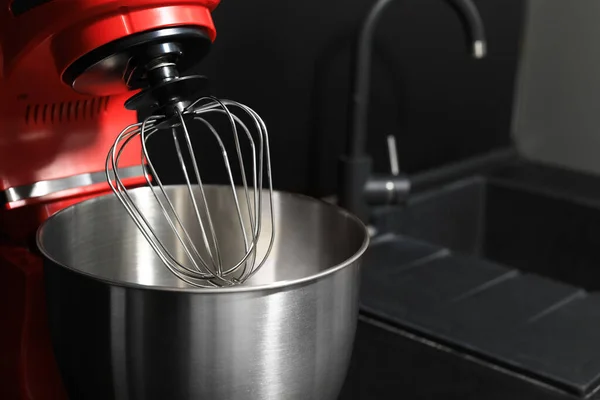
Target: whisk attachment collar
x=160, y=96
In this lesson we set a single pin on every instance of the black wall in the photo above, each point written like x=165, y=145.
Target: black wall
x=289, y=60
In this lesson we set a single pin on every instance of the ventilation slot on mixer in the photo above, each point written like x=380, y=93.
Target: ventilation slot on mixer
x=68, y=111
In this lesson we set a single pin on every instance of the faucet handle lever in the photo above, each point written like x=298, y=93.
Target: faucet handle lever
x=386, y=190
x=393, y=154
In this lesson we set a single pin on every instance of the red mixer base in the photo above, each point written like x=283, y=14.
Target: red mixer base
x=28, y=370
x=27, y=367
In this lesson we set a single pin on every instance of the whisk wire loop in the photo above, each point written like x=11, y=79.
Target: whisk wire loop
x=201, y=263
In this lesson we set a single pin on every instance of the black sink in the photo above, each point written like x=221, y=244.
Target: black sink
x=531, y=229
x=503, y=267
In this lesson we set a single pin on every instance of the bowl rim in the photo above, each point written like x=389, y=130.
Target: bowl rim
x=229, y=289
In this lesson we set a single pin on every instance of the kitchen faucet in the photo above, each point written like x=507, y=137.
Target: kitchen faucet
x=358, y=189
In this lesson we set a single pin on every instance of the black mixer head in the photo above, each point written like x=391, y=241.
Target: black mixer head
x=123, y=64
x=165, y=91
x=157, y=62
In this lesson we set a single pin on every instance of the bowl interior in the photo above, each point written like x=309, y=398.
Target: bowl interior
x=98, y=238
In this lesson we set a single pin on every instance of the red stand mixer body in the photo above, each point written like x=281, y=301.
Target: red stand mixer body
x=58, y=119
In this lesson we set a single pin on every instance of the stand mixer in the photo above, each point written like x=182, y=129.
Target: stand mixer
x=133, y=289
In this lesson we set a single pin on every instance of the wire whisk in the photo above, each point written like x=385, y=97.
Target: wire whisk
x=200, y=261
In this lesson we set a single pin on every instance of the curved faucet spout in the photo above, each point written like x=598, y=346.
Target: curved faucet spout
x=355, y=188
x=362, y=69
x=473, y=23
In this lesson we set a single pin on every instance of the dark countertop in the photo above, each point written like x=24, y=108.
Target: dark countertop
x=543, y=328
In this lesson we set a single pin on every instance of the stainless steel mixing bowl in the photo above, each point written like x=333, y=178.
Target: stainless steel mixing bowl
x=123, y=327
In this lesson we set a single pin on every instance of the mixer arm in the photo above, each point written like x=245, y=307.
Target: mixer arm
x=62, y=79
x=76, y=29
